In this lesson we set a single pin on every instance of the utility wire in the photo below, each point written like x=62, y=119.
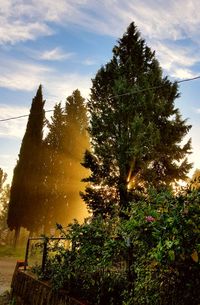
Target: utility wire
x=22, y=116
x=155, y=87
x=114, y=96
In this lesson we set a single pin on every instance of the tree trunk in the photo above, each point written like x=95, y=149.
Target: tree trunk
x=16, y=237
x=123, y=194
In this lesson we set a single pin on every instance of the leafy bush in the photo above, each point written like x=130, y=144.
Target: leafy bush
x=87, y=268
x=164, y=230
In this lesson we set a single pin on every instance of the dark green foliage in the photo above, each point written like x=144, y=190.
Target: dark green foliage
x=136, y=132
x=25, y=204
x=65, y=144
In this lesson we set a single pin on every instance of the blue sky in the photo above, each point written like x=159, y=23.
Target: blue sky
x=61, y=44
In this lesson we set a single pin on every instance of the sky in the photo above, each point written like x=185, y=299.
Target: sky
x=61, y=45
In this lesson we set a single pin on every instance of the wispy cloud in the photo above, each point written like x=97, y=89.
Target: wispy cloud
x=176, y=60
x=56, y=54
x=15, y=31
x=20, y=75
x=13, y=128
x=26, y=76
x=89, y=62
x=180, y=73
x=7, y=163
x=159, y=21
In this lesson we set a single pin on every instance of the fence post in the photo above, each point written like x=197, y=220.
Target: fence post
x=26, y=255
x=44, y=257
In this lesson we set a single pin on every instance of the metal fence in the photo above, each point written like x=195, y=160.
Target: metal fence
x=38, y=249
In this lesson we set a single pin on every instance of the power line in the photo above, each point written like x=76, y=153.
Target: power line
x=155, y=87
x=21, y=116
x=114, y=96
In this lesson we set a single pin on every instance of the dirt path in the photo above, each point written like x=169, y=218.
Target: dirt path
x=7, y=266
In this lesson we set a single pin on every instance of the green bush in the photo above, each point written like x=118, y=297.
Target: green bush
x=164, y=230
x=87, y=269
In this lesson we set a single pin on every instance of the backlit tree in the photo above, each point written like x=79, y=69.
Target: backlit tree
x=135, y=128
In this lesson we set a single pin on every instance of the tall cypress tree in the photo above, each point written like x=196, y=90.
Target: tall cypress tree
x=24, y=205
x=66, y=142
x=76, y=144
x=56, y=169
x=136, y=130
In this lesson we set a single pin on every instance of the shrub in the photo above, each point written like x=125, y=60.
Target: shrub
x=164, y=229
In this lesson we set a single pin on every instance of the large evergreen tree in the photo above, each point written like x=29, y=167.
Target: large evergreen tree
x=25, y=205
x=136, y=130
x=65, y=143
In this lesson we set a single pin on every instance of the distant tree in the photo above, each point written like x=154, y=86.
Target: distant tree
x=3, y=177
x=25, y=205
x=4, y=199
x=136, y=131
x=65, y=143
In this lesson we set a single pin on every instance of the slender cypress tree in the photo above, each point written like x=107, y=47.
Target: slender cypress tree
x=76, y=144
x=24, y=205
x=135, y=129
x=56, y=168
x=65, y=143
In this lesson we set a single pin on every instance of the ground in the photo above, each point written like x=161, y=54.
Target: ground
x=7, y=266
x=5, y=298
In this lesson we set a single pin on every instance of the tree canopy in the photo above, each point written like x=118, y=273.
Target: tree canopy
x=136, y=130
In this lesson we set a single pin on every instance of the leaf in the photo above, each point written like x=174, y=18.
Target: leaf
x=153, y=264
x=195, y=256
x=171, y=255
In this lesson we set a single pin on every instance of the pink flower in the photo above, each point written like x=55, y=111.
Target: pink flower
x=149, y=218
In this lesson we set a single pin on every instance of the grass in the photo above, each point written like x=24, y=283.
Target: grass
x=9, y=251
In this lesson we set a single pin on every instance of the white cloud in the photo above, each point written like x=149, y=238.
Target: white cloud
x=180, y=73
x=157, y=19
x=59, y=86
x=24, y=76
x=53, y=55
x=22, y=20
x=176, y=60
x=12, y=128
x=89, y=62
x=174, y=54
x=19, y=75
x=16, y=31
